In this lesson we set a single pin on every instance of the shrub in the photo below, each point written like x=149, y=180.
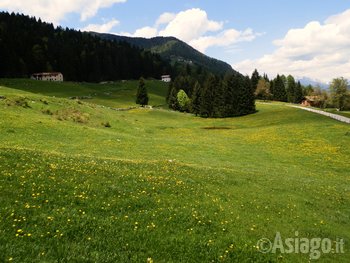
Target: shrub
x=106, y=124
x=18, y=101
x=44, y=101
x=183, y=100
x=47, y=111
x=80, y=117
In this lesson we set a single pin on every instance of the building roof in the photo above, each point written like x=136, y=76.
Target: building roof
x=46, y=74
x=311, y=98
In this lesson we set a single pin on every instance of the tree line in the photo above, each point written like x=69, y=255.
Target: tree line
x=281, y=88
x=235, y=94
x=28, y=45
x=287, y=89
x=215, y=97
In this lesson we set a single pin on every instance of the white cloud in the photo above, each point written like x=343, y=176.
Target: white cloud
x=224, y=39
x=56, y=10
x=165, y=18
x=146, y=32
x=194, y=27
x=101, y=28
x=319, y=51
x=190, y=24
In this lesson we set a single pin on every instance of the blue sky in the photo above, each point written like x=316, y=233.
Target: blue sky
x=303, y=38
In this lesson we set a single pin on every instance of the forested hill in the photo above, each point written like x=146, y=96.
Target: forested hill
x=175, y=50
x=28, y=45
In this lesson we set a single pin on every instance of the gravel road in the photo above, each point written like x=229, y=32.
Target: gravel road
x=331, y=115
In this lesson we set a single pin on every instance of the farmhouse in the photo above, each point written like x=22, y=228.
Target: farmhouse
x=166, y=78
x=48, y=76
x=311, y=101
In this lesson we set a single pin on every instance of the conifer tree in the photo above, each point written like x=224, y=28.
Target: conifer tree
x=142, y=95
x=231, y=89
x=218, y=99
x=172, y=100
x=246, y=97
x=298, y=93
x=279, y=90
x=250, y=103
x=272, y=86
x=290, y=89
x=255, y=79
x=265, y=77
x=170, y=87
x=196, y=99
x=207, y=96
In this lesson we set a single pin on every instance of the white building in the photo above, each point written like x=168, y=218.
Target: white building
x=48, y=76
x=166, y=78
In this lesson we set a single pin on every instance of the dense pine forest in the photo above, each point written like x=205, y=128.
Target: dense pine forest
x=216, y=97
x=28, y=45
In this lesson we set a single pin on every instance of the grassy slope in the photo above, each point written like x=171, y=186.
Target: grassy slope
x=159, y=184
x=118, y=94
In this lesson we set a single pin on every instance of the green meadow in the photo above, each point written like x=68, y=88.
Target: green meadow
x=83, y=182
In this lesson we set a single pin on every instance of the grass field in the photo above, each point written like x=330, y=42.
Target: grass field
x=113, y=94
x=162, y=186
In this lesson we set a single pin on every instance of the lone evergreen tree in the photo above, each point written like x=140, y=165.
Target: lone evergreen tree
x=142, y=95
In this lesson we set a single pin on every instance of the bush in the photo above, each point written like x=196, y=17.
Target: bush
x=47, y=111
x=106, y=124
x=183, y=100
x=18, y=101
x=73, y=115
x=80, y=117
x=44, y=101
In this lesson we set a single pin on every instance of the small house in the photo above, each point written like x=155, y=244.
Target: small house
x=311, y=101
x=166, y=78
x=48, y=76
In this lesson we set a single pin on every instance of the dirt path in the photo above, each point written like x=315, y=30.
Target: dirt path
x=331, y=115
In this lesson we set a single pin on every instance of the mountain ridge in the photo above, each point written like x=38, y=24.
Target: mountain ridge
x=174, y=50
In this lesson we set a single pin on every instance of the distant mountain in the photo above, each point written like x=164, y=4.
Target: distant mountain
x=307, y=81
x=174, y=50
